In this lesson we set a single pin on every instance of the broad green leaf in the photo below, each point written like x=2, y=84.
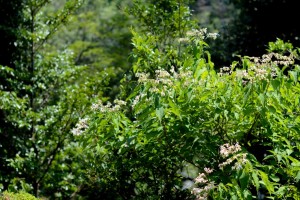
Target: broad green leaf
x=174, y=108
x=244, y=179
x=293, y=76
x=275, y=84
x=160, y=113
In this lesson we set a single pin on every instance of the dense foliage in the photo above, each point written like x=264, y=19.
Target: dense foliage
x=251, y=25
x=38, y=102
x=240, y=127
x=81, y=118
x=18, y=196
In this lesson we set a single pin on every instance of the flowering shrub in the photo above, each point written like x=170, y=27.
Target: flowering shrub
x=237, y=127
x=264, y=119
x=240, y=125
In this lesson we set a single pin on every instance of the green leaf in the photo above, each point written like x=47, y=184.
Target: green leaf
x=244, y=179
x=293, y=76
x=297, y=178
x=234, y=64
x=281, y=191
x=262, y=99
x=174, y=108
x=160, y=113
x=237, y=116
x=156, y=101
x=247, y=195
x=274, y=178
x=256, y=181
x=271, y=109
x=204, y=74
x=266, y=182
x=289, y=152
x=200, y=69
x=275, y=84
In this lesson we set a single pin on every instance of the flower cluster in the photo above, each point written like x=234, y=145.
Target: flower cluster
x=277, y=59
x=136, y=100
x=201, y=193
x=80, y=127
x=212, y=35
x=232, y=153
x=240, y=159
x=201, y=178
x=261, y=68
x=82, y=124
x=163, y=77
x=225, y=70
x=108, y=107
x=227, y=149
x=199, y=34
x=208, y=170
x=143, y=77
x=163, y=82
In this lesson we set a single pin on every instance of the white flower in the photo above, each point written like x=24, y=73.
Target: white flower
x=212, y=35
x=80, y=127
x=208, y=170
x=201, y=178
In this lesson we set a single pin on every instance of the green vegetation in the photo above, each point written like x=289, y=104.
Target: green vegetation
x=123, y=100
x=17, y=196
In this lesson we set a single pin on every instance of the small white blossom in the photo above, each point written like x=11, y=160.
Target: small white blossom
x=135, y=101
x=212, y=35
x=208, y=170
x=80, y=127
x=183, y=40
x=201, y=178
x=226, y=149
x=120, y=102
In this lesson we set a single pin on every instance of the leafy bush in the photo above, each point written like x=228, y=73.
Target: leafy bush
x=17, y=196
x=176, y=117
x=258, y=113
x=238, y=127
